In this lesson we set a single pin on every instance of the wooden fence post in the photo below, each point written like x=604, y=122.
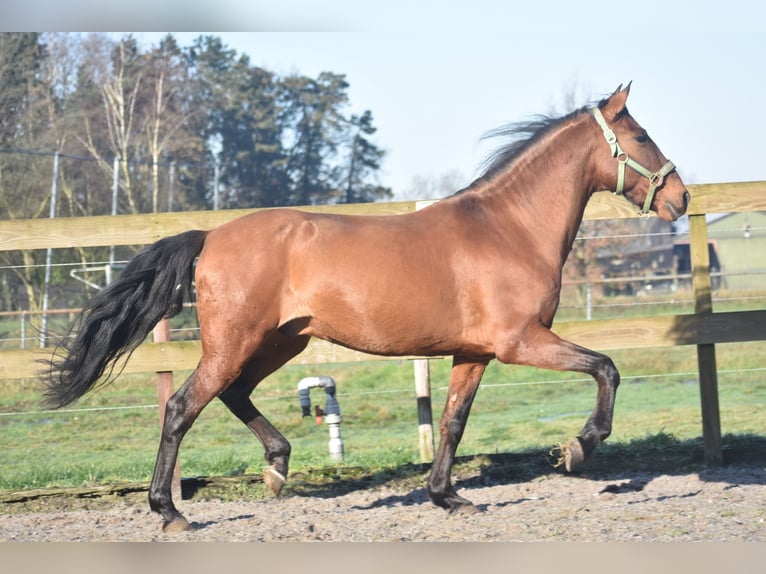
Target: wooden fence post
x=423, y=392
x=425, y=420
x=706, y=363
x=161, y=334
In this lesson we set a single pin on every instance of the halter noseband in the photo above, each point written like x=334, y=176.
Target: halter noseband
x=655, y=179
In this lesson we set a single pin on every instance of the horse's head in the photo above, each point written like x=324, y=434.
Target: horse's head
x=652, y=181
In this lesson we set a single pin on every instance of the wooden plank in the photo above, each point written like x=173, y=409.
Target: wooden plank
x=604, y=335
x=665, y=330
x=149, y=357
x=706, y=198
x=724, y=327
x=105, y=230
x=178, y=356
x=727, y=197
x=606, y=205
x=143, y=229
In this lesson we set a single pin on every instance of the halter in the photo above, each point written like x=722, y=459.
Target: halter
x=655, y=179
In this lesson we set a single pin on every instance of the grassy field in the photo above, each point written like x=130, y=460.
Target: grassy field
x=516, y=409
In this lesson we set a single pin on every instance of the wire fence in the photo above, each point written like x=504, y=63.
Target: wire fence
x=408, y=392
x=93, y=176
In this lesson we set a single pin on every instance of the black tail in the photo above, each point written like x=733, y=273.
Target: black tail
x=118, y=319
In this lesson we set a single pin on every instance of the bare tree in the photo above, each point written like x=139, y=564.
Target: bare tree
x=168, y=114
x=119, y=99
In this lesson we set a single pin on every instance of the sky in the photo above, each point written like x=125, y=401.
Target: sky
x=439, y=75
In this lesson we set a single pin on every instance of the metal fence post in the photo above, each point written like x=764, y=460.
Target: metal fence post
x=49, y=254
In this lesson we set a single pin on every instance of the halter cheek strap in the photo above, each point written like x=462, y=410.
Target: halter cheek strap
x=656, y=179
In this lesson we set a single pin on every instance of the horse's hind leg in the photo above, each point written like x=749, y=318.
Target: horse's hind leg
x=181, y=410
x=217, y=370
x=464, y=380
x=237, y=398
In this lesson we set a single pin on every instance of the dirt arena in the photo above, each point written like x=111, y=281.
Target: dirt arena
x=716, y=505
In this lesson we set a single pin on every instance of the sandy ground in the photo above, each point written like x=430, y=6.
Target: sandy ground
x=719, y=505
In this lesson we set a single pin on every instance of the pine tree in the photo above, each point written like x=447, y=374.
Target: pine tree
x=363, y=163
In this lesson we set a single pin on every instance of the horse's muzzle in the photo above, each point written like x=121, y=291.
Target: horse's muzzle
x=678, y=211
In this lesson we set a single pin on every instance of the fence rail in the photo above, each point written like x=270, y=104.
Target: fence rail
x=703, y=328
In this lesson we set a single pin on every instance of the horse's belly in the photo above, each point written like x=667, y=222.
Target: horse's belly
x=396, y=334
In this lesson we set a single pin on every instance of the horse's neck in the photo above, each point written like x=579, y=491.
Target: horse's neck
x=545, y=191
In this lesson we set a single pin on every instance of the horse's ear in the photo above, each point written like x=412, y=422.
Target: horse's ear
x=615, y=104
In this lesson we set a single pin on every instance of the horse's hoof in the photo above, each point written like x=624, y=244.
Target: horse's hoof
x=176, y=525
x=274, y=480
x=574, y=455
x=464, y=510
x=570, y=455
x=457, y=505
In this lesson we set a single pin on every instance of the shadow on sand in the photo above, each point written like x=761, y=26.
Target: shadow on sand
x=631, y=465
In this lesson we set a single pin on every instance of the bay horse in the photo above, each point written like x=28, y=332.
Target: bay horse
x=475, y=276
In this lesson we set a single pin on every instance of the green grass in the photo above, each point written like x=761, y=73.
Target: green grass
x=516, y=409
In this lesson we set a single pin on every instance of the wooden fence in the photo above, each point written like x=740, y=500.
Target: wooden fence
x=703, y=328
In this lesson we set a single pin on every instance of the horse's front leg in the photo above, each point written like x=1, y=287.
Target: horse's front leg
x=544, y=349
x=464, y=380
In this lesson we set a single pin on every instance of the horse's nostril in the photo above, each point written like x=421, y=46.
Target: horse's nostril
x=687, y=199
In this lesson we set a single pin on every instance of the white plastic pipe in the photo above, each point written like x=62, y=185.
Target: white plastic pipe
x=332, y=414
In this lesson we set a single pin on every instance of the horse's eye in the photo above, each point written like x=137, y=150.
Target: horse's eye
x=642, y=138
